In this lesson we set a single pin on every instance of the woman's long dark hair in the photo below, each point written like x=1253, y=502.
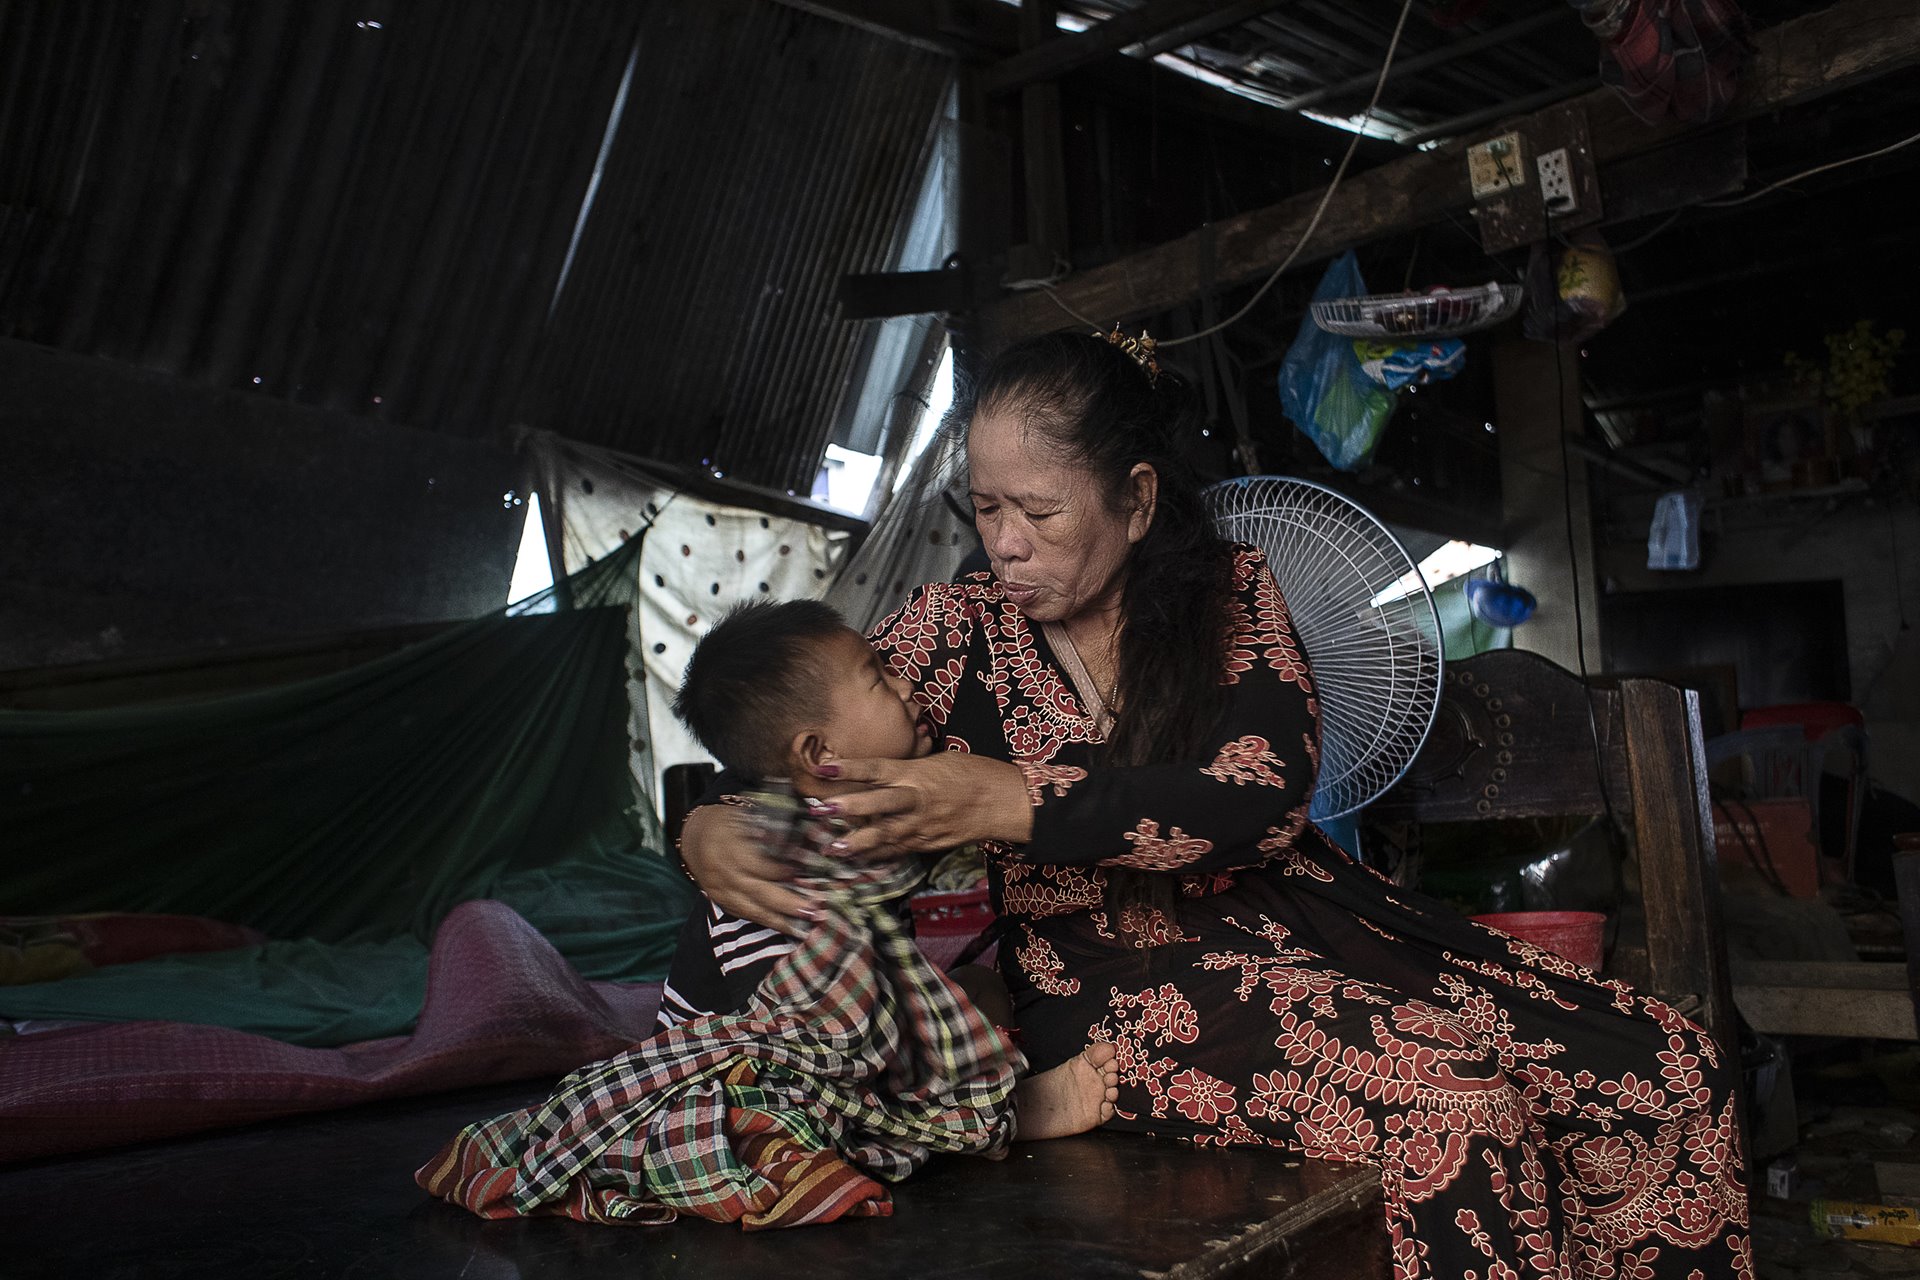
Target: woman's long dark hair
x=1102, y=410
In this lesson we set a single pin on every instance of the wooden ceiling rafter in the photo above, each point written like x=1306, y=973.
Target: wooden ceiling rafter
x=1795, y=61
x=987, y=31
x=1452, y=51
x=1158, y=25
x=961, y=28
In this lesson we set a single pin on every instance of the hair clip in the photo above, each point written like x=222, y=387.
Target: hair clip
x=1141, y=350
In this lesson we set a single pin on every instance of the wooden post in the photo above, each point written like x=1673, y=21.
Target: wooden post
x=1906, y=883
x=1045, y=252
x=1542, y=489
x=1673, y=834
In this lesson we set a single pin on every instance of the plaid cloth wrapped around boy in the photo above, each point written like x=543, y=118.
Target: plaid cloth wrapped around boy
x=854, y=1061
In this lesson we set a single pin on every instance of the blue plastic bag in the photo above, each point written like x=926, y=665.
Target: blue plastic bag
x=1323, y=388
x=1396, y=364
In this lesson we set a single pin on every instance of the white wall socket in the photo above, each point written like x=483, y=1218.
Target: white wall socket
x=1556, y=181
x=1496, y=165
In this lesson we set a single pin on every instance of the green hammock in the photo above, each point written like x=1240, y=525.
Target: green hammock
x=344, y=817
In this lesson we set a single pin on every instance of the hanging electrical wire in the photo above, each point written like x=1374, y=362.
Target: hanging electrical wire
x=1639, y=240
x=1313, y=224
x=1808, y=173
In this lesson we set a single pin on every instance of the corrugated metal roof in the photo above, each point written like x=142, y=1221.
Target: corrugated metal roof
x=356, y=205
x=1458, y=62
x=367, y=206
x=761, y=154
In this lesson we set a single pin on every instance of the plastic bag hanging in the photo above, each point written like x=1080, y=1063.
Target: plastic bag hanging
x=1323, y=386
x=1574, y=293
x=1673, y=542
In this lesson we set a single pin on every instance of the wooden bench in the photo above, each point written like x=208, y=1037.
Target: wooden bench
x=332, y=1195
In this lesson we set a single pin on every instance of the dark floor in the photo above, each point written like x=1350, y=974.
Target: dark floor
x=332, y=1196
x=1859, y=1141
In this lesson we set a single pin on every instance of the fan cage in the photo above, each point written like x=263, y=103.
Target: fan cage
x=1377, y=667
x=1440, y=314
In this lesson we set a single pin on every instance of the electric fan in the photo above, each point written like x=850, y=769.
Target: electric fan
x=1437, y=314
x=1364, y=616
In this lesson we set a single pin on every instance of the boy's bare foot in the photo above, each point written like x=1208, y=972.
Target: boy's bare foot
x=1073, y=1097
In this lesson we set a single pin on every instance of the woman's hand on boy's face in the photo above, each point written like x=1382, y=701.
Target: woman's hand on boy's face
x=916, y=806
x=722, y=849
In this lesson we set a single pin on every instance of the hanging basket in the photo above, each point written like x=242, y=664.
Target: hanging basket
x=1439, y=314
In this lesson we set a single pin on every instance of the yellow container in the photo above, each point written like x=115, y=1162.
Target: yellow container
x=1889, y=1224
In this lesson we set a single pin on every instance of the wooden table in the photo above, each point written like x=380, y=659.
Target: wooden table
x=331, y=1196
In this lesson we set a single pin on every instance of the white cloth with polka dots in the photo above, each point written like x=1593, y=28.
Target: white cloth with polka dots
x=700, y=558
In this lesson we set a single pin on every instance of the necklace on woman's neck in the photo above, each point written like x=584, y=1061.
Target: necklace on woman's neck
x=1110, y=654
x=1100, y=704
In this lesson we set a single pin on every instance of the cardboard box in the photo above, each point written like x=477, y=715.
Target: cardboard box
x=1758, y=832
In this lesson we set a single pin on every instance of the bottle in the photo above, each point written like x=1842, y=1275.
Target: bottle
x=1889, y=1224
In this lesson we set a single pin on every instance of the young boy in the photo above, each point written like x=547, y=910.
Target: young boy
x=792, y=1075
x=773, y=691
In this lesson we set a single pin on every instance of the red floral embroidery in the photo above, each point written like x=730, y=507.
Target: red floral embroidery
x=1041, y=776
x=1035, y=891
x=1155, y=852
x=1247, y=759
x=1150, y=927
x=910, y=636
x=938, y=688
x=1200, y=1097
x=1603, y=1162
x=1504, y=1154
x=1043, y=967
x=1280, y=847
x=1206, y=885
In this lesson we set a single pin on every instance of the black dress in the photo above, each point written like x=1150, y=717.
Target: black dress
x=1528, y=1117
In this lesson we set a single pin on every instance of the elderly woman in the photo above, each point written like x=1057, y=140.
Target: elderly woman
x=1131, y=724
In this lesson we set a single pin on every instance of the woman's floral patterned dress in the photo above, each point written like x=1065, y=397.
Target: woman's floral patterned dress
x=1529, y=1118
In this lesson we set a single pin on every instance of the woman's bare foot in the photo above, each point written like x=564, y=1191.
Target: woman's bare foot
x=1073, y=1097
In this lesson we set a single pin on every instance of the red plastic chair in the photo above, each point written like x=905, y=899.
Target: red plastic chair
x=1783, y=768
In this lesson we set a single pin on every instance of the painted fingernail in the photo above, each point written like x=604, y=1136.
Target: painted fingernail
x=827, y=770
x=838, y=846
x=825, y=809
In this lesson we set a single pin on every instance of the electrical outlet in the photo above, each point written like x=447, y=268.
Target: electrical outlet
x=1496, y=165
x=1556, y=181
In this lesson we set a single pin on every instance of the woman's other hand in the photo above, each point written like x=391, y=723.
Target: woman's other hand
x=940, y=802
x=721, y=847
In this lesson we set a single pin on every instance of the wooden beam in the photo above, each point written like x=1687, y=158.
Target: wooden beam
x=967, y=28
x=988, y=29
x=1700, y=167
x=1449, y=52
x=1832, y=998
x=903, y=293
x=1043, y=156
x=1852, y=42
x=1638, y=472
x=1906, y=881
x=1673, y=838
x=1415, y=512
x=986, y=167
x=1165, y=23
x=1170, y=91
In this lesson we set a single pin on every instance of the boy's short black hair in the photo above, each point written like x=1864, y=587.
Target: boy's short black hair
x=754, y=680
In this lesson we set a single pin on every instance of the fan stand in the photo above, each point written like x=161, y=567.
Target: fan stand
x=1363, y=615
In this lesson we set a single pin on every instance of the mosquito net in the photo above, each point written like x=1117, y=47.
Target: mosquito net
x=343, y=817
